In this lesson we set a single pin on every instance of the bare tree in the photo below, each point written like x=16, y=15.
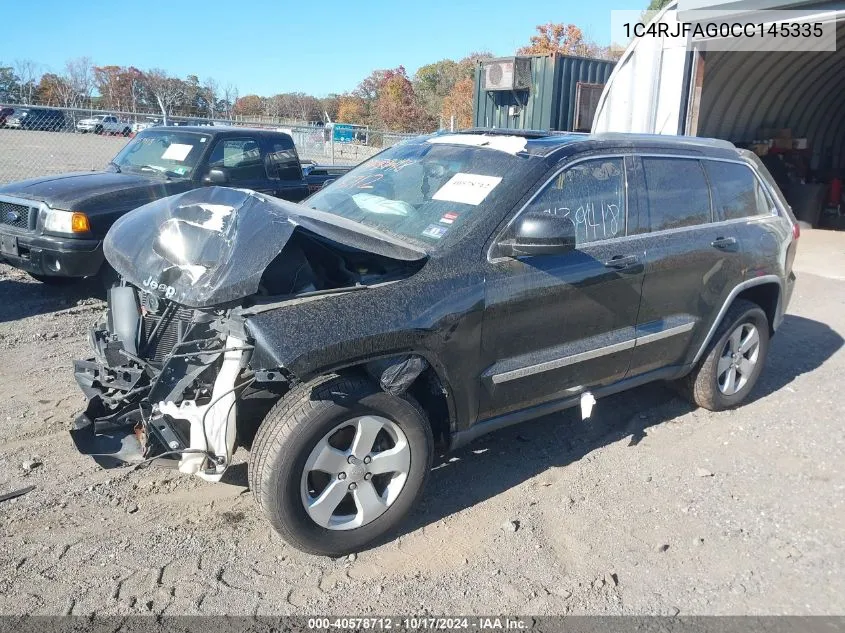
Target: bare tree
x=230, y=97
x=210, y=92
x=27, y=72
x=167, y=91
x=80, y=75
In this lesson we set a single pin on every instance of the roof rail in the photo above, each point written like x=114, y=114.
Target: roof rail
x=665, y=138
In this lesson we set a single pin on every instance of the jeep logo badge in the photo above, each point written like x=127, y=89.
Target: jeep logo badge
x=152, y=284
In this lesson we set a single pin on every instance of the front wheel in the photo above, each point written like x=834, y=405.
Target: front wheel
x=338, y=463
x=734, y=359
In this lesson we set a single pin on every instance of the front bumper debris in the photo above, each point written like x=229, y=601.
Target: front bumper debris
x=110, y=443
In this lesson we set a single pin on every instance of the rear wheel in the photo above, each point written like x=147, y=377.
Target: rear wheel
x=338, y=463
x=734, y=360
x=98, y=129
x=126, y=131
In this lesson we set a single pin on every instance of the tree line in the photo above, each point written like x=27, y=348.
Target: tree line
x=436, y=96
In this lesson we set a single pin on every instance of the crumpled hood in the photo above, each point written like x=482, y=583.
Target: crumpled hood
x=210, y=246
x=88, y=190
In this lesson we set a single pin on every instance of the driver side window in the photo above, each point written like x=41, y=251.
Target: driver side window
x=240, y=158
x=592, y=194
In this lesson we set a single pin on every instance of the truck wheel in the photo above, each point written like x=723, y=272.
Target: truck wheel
x=126, y=131
x=98, y=129
x=733, y=361
x=338, y=463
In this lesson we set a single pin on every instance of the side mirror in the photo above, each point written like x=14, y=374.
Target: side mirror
x=216, y=176
x=538, y=233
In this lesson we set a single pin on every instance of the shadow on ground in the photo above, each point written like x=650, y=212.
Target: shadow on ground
x=22, y=299
x=500, y=461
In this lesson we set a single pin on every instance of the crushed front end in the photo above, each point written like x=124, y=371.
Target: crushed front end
x=163, y=382
x=170, y=375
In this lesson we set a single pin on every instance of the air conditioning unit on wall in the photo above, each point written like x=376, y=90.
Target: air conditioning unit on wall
x=507, y=73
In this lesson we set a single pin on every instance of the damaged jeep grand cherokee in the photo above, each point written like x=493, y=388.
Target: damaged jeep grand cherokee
x=450, y=286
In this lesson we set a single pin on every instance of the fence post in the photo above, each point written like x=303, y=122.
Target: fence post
x=452, y=123
x=331, y=142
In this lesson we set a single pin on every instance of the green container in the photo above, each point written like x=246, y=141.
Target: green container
x=550, y=102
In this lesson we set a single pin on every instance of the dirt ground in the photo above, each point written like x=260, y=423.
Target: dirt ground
x=651, y=507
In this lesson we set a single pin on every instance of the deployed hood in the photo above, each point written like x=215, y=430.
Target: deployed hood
x=76, y=191
x=211, y=246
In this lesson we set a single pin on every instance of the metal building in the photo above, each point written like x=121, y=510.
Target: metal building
x=539, y=92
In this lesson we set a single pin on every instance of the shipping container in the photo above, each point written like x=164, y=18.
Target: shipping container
x=539, y=92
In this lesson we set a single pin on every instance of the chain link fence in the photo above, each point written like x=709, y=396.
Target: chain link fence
x=38, y=141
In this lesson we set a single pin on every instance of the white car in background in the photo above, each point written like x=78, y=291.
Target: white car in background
x=104, y=124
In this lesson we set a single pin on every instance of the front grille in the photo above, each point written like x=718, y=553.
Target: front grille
x=17, y=215
x=169, y=333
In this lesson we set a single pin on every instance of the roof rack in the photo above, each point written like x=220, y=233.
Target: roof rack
x=502, y=131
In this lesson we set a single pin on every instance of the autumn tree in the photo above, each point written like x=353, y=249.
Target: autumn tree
x=656, y=5
x=566, y=39
x=458, y=104
x=351, y=109
x=249, y=105
x=396, y=106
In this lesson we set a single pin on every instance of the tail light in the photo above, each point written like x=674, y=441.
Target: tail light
x=796, y=230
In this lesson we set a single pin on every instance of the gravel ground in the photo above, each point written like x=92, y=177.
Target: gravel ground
x=29, y=153
x=651, y=507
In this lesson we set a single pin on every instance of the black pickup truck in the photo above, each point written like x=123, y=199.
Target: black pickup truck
x=53, y=227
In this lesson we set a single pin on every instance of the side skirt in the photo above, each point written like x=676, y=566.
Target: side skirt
x=461, y=438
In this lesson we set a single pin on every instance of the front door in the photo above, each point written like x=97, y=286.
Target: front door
x=242, y=161
x=556, y=325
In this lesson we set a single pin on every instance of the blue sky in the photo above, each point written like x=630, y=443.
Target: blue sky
x=267, y=47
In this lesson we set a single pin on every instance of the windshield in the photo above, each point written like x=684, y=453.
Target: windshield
x=423, y=191
x=171, y=153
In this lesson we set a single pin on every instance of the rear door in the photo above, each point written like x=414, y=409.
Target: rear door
x=555, y=325
x=692, y=261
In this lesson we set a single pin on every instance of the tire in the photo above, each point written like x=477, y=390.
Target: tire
x=98, y=129
x=126, y=132
x=710, y=388
x=295, y=429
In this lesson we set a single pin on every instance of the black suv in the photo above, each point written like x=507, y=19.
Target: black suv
x=37, y=119
x=450, y=286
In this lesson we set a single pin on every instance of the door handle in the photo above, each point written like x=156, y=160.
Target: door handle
x=620, y=262
x=724, y=242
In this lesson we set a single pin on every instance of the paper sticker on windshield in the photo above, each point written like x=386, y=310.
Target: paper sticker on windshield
x=177, y=151
x=435, y=231
x=467, y=188
x=449, y=217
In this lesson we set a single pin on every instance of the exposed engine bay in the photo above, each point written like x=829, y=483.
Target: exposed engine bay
x=170, y=376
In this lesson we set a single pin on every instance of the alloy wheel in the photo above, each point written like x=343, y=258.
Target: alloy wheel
x=355, y=472
x=738, y=359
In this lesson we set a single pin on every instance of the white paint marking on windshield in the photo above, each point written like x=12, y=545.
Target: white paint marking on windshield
x=502, y=143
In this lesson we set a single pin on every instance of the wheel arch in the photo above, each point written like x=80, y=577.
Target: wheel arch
x=431, y=388
x=766, y=291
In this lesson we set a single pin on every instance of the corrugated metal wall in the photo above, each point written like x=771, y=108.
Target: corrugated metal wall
x=550, y=104
x=804, y=91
